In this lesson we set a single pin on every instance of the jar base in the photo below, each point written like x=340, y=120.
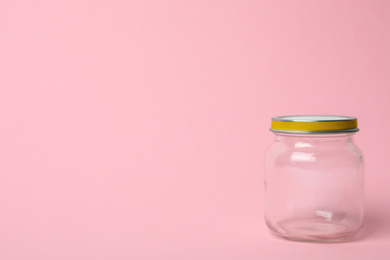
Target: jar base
x=314, y=230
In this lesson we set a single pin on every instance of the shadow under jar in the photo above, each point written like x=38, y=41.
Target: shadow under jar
x=314, y=179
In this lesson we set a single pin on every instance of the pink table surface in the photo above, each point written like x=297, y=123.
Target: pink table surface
x=136, y=129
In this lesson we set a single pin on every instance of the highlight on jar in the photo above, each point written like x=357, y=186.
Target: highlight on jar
x=314, y=179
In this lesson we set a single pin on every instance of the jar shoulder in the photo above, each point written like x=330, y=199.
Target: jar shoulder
x=304, y=152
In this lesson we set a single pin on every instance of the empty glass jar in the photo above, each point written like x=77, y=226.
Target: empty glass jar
x=314, y=178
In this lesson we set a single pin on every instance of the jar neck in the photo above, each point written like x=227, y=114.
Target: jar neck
x=337, y=138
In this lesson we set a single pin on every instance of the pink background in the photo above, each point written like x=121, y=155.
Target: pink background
x=136, y=129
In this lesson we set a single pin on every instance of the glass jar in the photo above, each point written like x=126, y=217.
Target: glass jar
x=314, y=178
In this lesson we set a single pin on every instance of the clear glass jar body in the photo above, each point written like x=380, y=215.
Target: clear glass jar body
x=314, y=187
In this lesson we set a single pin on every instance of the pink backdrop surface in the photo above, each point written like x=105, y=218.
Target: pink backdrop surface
x=136, y=129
